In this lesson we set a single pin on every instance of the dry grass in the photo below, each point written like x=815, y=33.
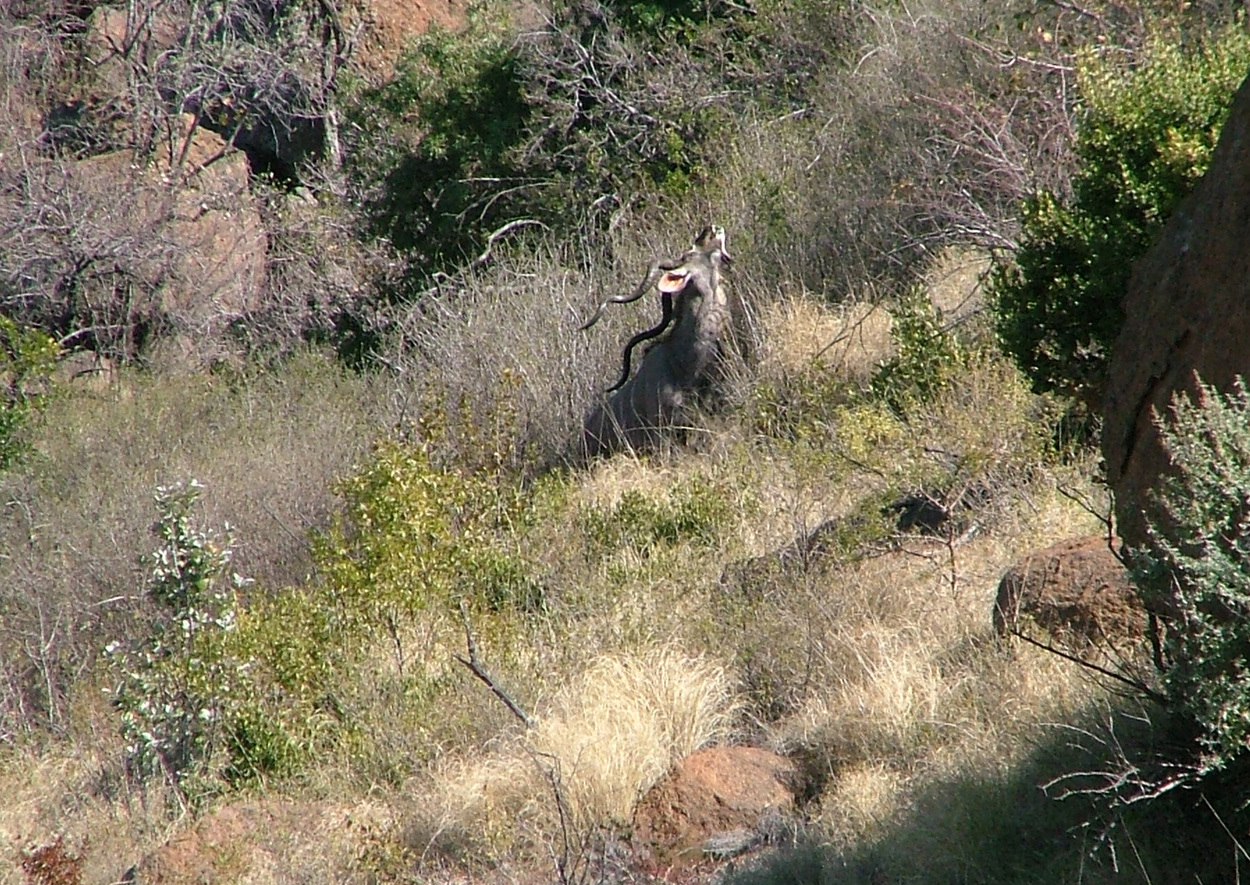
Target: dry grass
x=266, y=449
x=879, y=669
x=852, y=339
x=955, y=281
x=608, y=736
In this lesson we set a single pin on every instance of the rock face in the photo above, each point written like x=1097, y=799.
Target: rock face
x=716, y=803
x=259, y=841
x=117, y=38
x=198, y=240
x=1077, y=591
x=1188, y=310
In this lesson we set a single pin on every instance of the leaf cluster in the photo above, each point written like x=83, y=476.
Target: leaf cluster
x=414, y=536
x=927, y=359
x=694, y=511
x=185, y=697
x=1197, y=568
x=27, y=359
x=565, y=127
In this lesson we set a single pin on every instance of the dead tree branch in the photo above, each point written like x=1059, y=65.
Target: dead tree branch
x=476, y=668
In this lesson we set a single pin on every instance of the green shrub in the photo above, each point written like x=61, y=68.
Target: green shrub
x=27, y=358
x=1198, y=567
x=437, y=143
x=662, y=19
x=356, y=660
x=1144, y=136
x=414, y=535
x=800, y=404
x=927, y=359
x=183, y=695
x=693, y=511
x=562, y=130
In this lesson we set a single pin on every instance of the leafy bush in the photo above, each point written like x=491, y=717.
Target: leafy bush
x=693, y=511
x=1198, y=567
x=458, y=97
x=928, y=357
x=180, y=691
x=27, y=358
x=355, y=661
x=563, y=128
x=415, y=535
x=1145, y=135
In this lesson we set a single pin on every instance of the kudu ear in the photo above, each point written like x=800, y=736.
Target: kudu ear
x=673, y=281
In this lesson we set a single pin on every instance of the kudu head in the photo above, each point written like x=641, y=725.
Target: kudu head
x=698, y=267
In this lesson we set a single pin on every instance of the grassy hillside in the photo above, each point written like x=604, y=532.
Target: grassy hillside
x=264, y=674
x=874, y=663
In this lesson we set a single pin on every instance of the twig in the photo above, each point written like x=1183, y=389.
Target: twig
x=1107, y=519
x=1111, y=674
x=1240, y=849
x=476, y=668
x=1079, y=10
x=857, y=326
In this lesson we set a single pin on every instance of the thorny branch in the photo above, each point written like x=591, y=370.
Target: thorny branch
x=1135, y=684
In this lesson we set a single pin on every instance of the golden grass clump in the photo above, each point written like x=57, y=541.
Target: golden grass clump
x=860, y=799
x=798, y=333
x=609, y=735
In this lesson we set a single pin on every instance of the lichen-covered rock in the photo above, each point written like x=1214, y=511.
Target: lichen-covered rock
x=1187, y=311
x=716, y=803
x=1077, y=591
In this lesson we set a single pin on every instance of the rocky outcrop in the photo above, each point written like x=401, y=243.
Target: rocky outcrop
x=717, y=803
x=1187, y=311
x=194, y=205
x=390, y=25
x=115, y=250
x=1077, y=591
x=116, y=39
x=259, y=841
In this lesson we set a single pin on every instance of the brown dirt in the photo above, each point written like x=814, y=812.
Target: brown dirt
x=717, y=801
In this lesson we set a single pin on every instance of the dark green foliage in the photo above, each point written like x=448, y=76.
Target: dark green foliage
x=27, y=358
x=665, y=19
x=460, y=99
x=258, y=745
x=558, y=130
x=1198, y=567
x=1144, y=136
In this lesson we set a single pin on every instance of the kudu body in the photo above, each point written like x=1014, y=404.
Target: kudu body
x=702, y=315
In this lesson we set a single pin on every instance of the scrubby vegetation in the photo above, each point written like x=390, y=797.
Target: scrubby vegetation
x=470, y=649
x=1198, y=570
x=1144, y=136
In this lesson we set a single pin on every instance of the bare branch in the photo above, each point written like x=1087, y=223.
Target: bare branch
x=1134, y=684
x=476, y=668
